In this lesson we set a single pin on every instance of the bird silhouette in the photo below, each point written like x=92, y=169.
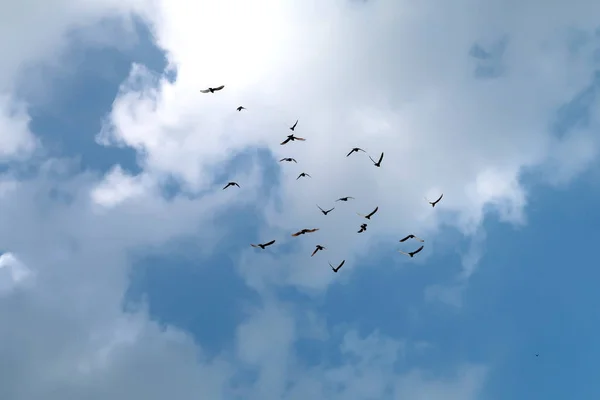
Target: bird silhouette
x=294, y=126
x=288, y=159
x=240, y=108
x=344, y=198
x=368, y=216
x=303, y=174
x=378, y=163
x=212, y=90
x=411, y=236
x=363, y=227
x=303, y=231
x=292, y=138
x=412, y=253
x=338, y=267
x=433, y=203
x=319, y=247
x=262, y=246
x=355, y=150
x=325, y=212
x=231, y=184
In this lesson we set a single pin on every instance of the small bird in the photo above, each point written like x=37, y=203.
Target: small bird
x=293, y=126
x=303, y=174
x=378, y=163
x=537, y=355
x=303, y=231
x=231, y=184
x=292, y=138
x=355, y=150
x=212, y=90
x=433, y=203
x=338, y=267
x=325, y=212
x=240, y=108
x=319, y=247
x=288, y=159
x=368, y=216
x=412, y=253
x=363, y=227
x=344, y=198
x=411, y=236
x=262, y=246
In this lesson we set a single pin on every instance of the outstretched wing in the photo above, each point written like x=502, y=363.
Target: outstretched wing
x=406, y=238
x=342, y=263
x=312, y=230
x=320, y=208
x=351, y=151
x=205, y=91
x=439, y=198
x=294, y=126
x=226, y=186
x=297, y=233
x=218, y=88
x=254, y=245
x=330, y=210
x=403, y=252
x=285, y=141
x=372, y=160
x=418, y=250
x=380, y=158
x=269, y=243
x=373, y=212
x=299, y=138
x=314, y=252
x=236, y=184
x=294, y=160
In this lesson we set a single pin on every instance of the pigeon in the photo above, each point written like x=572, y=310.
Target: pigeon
x=262, y=246
x=338, y=267
x=319, y=247
x=240, y=108
x=303, y=174
x=363, y=227
x=411, y=236
x=292, y=138
x=355, y=150
x=344, y=198
x=293, y=126
x=378, y=163
x=303, y=231
x=288, y=159
x=212, y=90
x=433, y=203
x=231, y=184
x=324, y=211
x=412, y=253
x=368, y=216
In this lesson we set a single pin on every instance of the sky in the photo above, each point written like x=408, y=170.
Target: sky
x=126, y=272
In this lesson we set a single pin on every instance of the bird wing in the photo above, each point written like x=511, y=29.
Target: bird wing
x=342, y=263
x=372, y=160
x=205, y=91
x=359, y=149
x=373, y=212
x=314, y=252
x=299, y=138
x=297, y=233
x=236, y=184
x=419, y=239
x=294, y=160
x=380, y=158
x=226, y=186
x=403, y=252
x=330, y=209
x=418, y=250
x=405, y=239
x=351, y=151
x=308, y=175
x=299, y=176
x=254, y=245
x=219, y=88
x=320, y=208
x=312, y=230
x=269, y=243
x=439, y=198
x=283, y=159
x=295, y=123
x=360, y=215
x=285, y=141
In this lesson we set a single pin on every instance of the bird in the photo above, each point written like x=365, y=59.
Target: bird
x=303, y=174
x=368, y=216
x=363, y=227
x=355, y=150
x=303, y=231
x=231, y=184
x=344, y=198
x=411, y=236
x=262, y=246
x=240, y=108
x=325, y=212
x=537, y=355
x=338, y=267
x=378, y=163
x=294, y=126
x=319, y=247
x=292, y=138
x=412, y=253
x=212, y=90
x=288, y=159
x=433, y=203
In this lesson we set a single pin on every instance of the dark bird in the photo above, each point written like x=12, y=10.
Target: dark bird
x=411, y=236
x=212, y=90
x=293, y=126
x=338, y=267
x=363, y=227
x=378, y=163
x=288, y=159
x=355, y=150
x=292, y=138
x=412, y=253
x=231, y=184
x=303, y=231
x=240, y=108
x=537, y=355
x=303, y=174
x=368, y=216
x=319, y=247
x=325, y=212
x=433, y=203
x=262, y=246
x=344, y=198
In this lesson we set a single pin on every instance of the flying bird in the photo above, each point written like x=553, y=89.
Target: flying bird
x=324, y=211
x=212, y=90
x=240, y=108
x=288, y=159
x=368, y=216
x=355, y=150
x=319, y=247
x=303, y=231
x=363, y=227
x=378, y=163
x=303, y=174
x=262, y=246
x=292, y=138
x=338, y=267
x=344, y=198
x=294, y=126
x=231, y=184
x=411, y=236
x=412, y=253
x=537, y=355
x=433, y=203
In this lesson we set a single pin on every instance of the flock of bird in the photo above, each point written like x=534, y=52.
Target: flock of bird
x=363, y=227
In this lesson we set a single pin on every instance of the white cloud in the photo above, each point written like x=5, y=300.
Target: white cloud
x=13, y=273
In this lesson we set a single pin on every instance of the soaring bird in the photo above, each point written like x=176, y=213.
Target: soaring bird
x=294, y=126
x=240, y=108
x=262, y=246
x=231, y=184
x=368, y=216
x=344, y=198
x=303, y=231
x=288, y=159
x=355, y=150
x=433, y=203
x=303, y=174
x=319, y=247
x=412, y=253
x=363, y=227
x=292, y=138
x=325, y=212
x=338, y=267
x=212, y=90
x=411, y=236
x=378, y=163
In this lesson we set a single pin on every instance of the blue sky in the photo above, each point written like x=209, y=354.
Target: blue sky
x=139, y=281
